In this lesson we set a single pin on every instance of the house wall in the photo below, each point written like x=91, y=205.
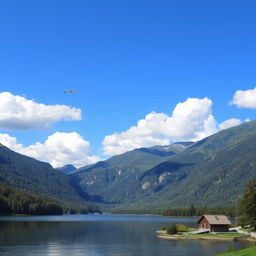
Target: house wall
x=219, y=228
x=204, y=224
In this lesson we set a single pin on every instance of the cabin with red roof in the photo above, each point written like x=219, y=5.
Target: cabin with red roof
x=214, y=223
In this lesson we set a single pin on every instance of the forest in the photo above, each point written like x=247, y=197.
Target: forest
x=13, y=201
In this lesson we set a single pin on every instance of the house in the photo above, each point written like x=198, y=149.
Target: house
x=214, y=223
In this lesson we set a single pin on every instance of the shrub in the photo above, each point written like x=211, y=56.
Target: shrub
x=172, y=230
x=181, y=228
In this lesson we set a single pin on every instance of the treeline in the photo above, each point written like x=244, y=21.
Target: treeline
x=193, y=211
x=14, y=201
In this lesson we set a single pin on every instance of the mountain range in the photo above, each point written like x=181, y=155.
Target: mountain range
x=212, y=172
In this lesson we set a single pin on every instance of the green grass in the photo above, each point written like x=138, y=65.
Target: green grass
x=246, y=229
x=192, y=229
x=218, y=235
x=251, y=251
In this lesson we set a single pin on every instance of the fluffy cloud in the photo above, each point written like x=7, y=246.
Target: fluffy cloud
x=59, y=149
x=245, y=99
x=229, y=123
x=10, y=142
x=190, y=120
x=19, y=113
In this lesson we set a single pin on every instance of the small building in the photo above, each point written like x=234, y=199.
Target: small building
x=214, y=223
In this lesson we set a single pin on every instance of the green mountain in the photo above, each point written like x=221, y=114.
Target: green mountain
x=39, y=178
x=212, y=172
x=110, y=181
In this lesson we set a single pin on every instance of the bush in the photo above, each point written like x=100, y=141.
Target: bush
x=181, y=228
x=172, y=230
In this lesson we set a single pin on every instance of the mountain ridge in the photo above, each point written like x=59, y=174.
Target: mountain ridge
x=172, y=179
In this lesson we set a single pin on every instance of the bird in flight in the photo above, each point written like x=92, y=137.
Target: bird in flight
x=69, y=91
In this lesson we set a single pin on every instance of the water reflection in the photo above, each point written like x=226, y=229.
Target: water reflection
x=99, y=236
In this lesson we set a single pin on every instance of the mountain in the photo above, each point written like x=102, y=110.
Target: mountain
x=212, y=172
x=67, y=168
x=108, y=181
x=39, y=178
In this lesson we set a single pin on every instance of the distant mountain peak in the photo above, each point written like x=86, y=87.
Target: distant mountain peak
x=67, y=168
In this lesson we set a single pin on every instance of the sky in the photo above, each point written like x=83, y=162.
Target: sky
x=143, y=73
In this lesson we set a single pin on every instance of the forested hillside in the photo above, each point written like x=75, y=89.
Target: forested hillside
x=27, y=174
x=13, y=201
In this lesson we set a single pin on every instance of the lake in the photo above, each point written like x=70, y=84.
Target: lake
x=99, y=235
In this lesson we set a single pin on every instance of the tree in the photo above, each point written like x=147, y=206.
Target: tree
x=242, y=221
x=4, y=207
x=248, y=204
x=192, y=210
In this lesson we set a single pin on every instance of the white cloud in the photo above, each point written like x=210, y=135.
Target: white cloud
x=59, y=149
x=10, y=142
x=229, y=123
x=245, y=99
x=190, y=120
x=19, y=113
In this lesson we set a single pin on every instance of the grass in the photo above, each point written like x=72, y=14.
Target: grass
x=246, y=229
x=251, y=251
x=192, y=229
x=217, y=235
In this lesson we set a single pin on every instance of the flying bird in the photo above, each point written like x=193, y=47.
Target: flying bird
x=69, y=91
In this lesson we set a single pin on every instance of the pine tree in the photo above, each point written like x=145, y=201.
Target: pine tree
x=248, y=204
x=192, y=210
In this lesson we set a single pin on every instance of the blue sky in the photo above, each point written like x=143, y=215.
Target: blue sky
x=126, y=59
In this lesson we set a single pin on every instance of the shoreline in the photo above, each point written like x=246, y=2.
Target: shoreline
x=163, y=235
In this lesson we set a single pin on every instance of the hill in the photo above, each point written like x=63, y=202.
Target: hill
x=212, y=172
x=39, y=178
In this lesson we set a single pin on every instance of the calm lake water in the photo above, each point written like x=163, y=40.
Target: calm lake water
x=98, y=235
